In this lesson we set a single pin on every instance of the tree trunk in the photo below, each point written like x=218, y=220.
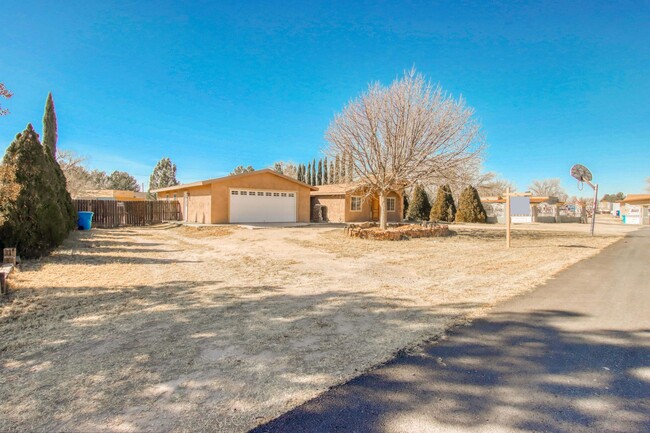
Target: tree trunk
x=383, y=212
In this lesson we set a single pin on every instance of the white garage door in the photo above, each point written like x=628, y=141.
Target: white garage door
x=252, y=206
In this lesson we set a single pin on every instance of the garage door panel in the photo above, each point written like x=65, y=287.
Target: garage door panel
x=252, y=207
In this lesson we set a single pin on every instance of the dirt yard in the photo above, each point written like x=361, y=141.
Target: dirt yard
x=220, y=329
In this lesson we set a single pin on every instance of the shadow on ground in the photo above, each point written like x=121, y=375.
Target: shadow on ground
x=513, y=372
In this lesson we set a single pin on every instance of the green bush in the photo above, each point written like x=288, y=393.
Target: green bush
x=41, y=215
x=470, y=208
x=443, y=208
x=419, y=206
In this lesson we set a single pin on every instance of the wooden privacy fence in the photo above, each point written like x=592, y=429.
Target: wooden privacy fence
x=111, y=213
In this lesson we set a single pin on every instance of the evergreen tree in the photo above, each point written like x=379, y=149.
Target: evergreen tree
x=332, y=173
x=299, y=173
x=405, y=205
x=313, y=172
x=337, y=169
x=319, y=175
x=240, y=169
x=50, y=135
x=470, y=208
x=37, y=218
x=419, y=206
x=350, y=169
x=325, y=174
x=50, y=138
x=443, y=208
x=123, y=181
x=309, y=174
x=163, y=175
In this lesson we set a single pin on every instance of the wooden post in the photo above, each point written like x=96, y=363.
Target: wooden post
x=508, y=217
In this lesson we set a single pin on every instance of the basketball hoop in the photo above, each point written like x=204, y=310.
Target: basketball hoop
x=583, y=175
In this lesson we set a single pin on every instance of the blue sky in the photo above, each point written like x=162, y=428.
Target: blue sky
x=216, y=84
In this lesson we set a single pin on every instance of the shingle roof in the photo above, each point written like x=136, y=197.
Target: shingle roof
x=233, y=176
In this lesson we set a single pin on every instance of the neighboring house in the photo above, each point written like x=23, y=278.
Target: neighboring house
x=256, y=196
x=112, y=194
x=635, y=209
x=538, y=209
x=348, y=202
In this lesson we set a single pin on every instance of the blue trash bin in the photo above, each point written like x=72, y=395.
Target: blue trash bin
x=623, y=217
x=85, y=220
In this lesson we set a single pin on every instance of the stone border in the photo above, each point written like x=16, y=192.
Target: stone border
x=397, y=232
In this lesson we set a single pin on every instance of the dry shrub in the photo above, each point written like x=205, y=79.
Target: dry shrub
x=397, y=233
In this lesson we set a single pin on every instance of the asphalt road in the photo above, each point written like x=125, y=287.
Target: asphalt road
x=571, y=356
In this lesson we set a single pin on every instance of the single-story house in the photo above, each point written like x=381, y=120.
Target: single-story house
x=112, y=194
x=635, y=209
x=348, y=202
x=256, y=196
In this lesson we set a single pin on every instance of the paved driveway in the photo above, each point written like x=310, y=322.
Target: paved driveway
x=572, y=356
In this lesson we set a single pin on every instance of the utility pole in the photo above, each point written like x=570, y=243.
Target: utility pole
x=508, y=217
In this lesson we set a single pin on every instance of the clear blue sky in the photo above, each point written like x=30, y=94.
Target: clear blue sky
x=215, y=84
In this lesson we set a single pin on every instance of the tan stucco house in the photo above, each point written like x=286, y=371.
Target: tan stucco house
x=348, y=202
x=257, y=196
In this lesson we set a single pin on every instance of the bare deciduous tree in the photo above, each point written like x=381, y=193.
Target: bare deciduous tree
x=408, y=132
x=5, y=93
x=548, y=188
x=647, y=188
x=287, y=168
x=77, y=177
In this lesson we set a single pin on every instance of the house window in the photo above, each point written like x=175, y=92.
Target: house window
x=276, y=194
x=260, y=193
x=174, y=196
x=291, y=194
x=234, y=192
x=284, y=194
x=244, y=193
x=355, y=204
x=390, y=204
x=167, y=197
x=268, y=194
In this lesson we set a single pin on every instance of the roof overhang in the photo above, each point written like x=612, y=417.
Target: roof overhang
x=228, y=178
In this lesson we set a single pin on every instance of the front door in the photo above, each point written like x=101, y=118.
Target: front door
x=375, y=209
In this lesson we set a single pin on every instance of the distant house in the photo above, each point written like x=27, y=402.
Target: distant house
x=538, y=209
x=112, y=194
x=350, y=202
x=256, y=196
x=635, y=209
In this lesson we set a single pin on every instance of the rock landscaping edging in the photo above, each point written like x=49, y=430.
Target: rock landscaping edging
x=396, y=232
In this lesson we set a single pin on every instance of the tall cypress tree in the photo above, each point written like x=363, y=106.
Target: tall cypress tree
x=50, y=136
x=319, y=175
x=332, y=173
x=325, y=174
x=313, y=172
x=350, y=168
x=337, y=169
x=443, y=208
x=309, y=174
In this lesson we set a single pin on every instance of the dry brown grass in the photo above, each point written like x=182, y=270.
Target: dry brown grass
x=176, y=330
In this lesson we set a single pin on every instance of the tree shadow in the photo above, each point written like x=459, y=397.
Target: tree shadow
x=76, y=357
x=510, y=372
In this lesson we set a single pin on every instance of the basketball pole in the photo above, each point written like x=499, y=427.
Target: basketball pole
x=593, y=216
